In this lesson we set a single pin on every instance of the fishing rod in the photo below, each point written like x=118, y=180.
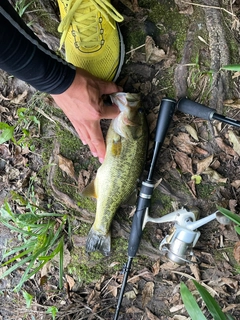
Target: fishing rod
x=201, y=111
x=166, y=111
x=183, y=231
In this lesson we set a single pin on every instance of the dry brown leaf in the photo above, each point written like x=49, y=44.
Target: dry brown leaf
x=83, y=179
x=3, y=109
x=183, y=143
x=150, y=315
x=134, y=310
x=215, y=176
x=232, y=205
x=176, y=308
x=236, y=184
x=236, y=251
x=20, y=98
x=70, y=281
x=202, y=165
x=113, y=289
x=66, y=165
x=191, y=131
x=192, y=186
x=153, y=53
x=184, y=162
x=235, y=140
x=130, y=295
x=235, y=103
x=4, y=151
x=156, y=267
x=227, y=149
x=92, y=297
x=195, y=269
x=184, y=8
x=4, y=98
x=147, y=293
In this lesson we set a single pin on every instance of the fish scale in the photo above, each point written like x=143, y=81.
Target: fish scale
x=117, y=177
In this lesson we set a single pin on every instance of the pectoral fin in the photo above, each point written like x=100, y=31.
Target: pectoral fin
x=90, y=190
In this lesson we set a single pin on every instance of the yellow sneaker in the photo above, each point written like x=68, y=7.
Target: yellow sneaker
x=92, y=37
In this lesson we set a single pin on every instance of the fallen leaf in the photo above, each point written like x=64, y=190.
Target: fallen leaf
x=235, y=140
x=232, y=205
x=236, y=251
x=191, y=131
x=156, y=267
x=113, y=289
x=236, y=184
x=70, y=281
x=183, y=161
x=235, y=103
x=215, y=176
x=195, y=268
x=147, y=293
x=130, y=295
x=184, y=8
x=202, y=165
x=183, y=143
x=176, y=308
x=66, y=165
x=83, y=179
x=134, y=310
x=150, y=315
x=153, y=53
x=20, y=98
x=227, y=149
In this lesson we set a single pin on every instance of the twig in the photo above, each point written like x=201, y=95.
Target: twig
x=210, y=7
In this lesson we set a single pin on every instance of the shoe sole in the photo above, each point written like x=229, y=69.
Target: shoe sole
x=122, y=54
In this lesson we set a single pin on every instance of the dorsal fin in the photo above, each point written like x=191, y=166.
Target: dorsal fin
x=90, y=191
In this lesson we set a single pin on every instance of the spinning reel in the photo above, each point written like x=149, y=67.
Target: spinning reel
x=178, y=245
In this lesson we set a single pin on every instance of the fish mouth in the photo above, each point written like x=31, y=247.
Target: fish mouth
x=125, y=100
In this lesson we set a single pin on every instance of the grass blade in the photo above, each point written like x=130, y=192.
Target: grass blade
x=190, y=303
x=231, y=67
x=232, y=216
x=210, y=302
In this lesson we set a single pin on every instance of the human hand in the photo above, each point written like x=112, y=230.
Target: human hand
x=82, y=103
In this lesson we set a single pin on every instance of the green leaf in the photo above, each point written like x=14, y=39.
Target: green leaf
x=231, y=67
x=237, y=228
x=232, y=216
x=190, y=303
x=197, y=178
x=53, y=310
x=28, y=298
x=7, y=132
x=210, y=302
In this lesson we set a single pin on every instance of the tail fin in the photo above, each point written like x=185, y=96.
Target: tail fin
x=97, y=241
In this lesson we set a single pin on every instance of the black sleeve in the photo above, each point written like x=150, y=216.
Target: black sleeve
x=23, y=55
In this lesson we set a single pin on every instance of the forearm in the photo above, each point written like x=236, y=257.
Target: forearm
x=23, y=55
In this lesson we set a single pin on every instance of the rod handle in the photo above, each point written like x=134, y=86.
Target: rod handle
x=195, y=109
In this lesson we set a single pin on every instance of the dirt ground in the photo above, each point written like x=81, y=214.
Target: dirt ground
x=174, y=49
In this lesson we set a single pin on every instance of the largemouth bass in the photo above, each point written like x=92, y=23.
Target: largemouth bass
x=116, y=179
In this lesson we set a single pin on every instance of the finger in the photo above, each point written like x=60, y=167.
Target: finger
x=109, y=112
x=92, y=135
x=109, y=87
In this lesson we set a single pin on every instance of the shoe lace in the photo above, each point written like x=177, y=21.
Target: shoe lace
x=86, y=25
